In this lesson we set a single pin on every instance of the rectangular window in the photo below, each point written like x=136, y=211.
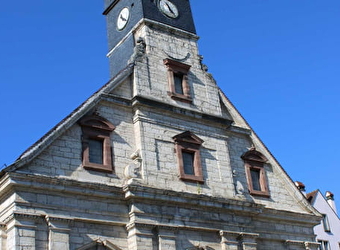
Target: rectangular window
x=179, y=87
x=188, y=157
x=325, y=223
x=188, y=162
x=96, y=151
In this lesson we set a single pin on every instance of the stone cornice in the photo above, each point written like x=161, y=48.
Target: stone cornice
x=50, y=218
x=150, y=194
x=54, y=183
x=22, y=216
x=306, y=244
x=146, y=101
x=288, y=216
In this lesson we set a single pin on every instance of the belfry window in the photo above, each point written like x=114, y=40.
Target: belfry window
x=178, y=80
x=256, y=175
x=187, y=147
x=96, y=143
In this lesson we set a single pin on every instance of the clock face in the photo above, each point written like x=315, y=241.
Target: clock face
x=123, y=18
x=168, y=8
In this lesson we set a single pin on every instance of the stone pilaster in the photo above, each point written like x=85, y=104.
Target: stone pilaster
x=140, y=236
x=21, y=232
x=248, y=241
x=229, y=240
x=59, y=233
x=167, y=238
x=3, y=236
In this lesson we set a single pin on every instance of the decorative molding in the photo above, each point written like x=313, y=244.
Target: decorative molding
x=144, y=193
x=22, y=216
x=312, y=245
x=141, y=100
x=58, y=223
x=109, y=245
x=177, y=59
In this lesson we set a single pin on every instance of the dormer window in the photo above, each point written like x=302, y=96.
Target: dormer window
x=187, y=147
x=96, y=143
x=178, y=80
x=256, y=175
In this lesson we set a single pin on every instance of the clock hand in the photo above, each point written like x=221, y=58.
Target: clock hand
x=169, y=8
x=121, y=17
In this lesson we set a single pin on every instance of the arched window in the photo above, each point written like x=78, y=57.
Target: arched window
x=96, y=143
x=256, y=175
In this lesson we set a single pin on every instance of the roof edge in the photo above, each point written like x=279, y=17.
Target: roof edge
x=35, y=149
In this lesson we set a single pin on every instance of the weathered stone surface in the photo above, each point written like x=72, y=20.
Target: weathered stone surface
x=50, y=201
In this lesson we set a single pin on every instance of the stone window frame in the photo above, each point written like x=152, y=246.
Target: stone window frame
x=175, y=67
x=189, y=142
x=95, y=127
x=254, y=161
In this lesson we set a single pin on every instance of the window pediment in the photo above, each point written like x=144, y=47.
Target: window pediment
x=94, y=245
x=188, y=137
x=255, y=171
x=254, y=155
x=95, y=121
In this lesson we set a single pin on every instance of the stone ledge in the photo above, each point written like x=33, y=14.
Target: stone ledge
x=144, y=194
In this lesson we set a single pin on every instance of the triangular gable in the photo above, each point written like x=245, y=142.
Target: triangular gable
x=188, y=137
x=69, y=121
x=96, y=243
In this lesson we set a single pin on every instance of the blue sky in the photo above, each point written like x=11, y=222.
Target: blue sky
x=277, y=60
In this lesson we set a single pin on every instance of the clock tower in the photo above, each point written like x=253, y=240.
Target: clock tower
x=125, y=18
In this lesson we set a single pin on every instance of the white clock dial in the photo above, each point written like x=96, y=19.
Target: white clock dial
x=123, y=18
x=168, y=8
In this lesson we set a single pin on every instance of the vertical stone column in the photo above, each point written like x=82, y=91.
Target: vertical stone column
x=229, y=240
x=26, y=237
x=167, y=238
x=248, y=241
x=21, y=232
x=140, y=236
x=59, y=233
x=3, y=236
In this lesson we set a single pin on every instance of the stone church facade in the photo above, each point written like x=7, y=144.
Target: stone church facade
x=158, y=158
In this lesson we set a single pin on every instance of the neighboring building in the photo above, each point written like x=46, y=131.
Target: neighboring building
x=158, y=158
x=328, y=232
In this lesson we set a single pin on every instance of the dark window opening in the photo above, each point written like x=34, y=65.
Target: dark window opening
x=96, y=151
x=188, y=162
x=178, y=79
x=255, y=179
